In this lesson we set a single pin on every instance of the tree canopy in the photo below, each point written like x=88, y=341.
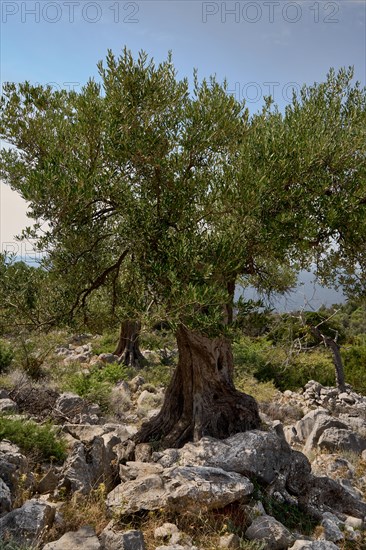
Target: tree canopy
x=173, y=194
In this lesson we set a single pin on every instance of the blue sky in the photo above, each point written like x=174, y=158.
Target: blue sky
x=261, y=47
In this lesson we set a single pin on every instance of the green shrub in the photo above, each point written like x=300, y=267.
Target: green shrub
x=287, y=370
x=354, y=358
x=33, y=438
x=97, y=384
x=6, y=356
x=106, y=343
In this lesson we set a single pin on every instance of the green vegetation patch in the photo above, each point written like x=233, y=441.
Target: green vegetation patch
x=40, y=440
x=96, y=385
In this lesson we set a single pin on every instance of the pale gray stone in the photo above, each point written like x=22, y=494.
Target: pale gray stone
x=5, y=498
x=331, y=531
x=333, y=439
x=108, y=358
x=132, y=470
x=264, y=455
x=84, y=432
x=314, y=545
x=8, y=405
x=229, y=541
x=165, y=531
x=86, y=467
x=356, y=523
x=305, y=426
x=28, y=522
x=272, y=532
x=178, y=489
x=322, y=423
x=83, y=539
x=112, y=539
x=48, y=483
x=76, y=410
x=12, y=464
x=148, y=400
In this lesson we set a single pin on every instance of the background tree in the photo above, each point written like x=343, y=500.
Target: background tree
x=186, y=193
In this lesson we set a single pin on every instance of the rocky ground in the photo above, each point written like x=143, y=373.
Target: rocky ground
x=298, y=483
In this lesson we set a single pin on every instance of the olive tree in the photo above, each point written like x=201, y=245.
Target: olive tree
x=172, y=196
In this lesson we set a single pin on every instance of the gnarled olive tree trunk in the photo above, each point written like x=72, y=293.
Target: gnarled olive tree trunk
x=201, y=398
x=128, y=348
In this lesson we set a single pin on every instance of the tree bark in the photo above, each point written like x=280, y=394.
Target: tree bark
x=201, y=399
x=337, y=358
x=128, y=348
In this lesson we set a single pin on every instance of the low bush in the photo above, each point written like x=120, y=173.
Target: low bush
x=40, y=441
x=354, y=358
x=286, y=368
x=96, y=385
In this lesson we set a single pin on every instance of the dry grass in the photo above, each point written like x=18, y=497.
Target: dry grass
x=82, y=510
x=203, y=529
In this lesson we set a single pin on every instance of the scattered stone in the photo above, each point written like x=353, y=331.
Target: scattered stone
x=254, y=453
x=331, y=531
x=83, y=539
x=314, y=545
x=8, y=405
x=48, y=483
x=112, y=539
x=87, y=466
x=166, y=531
x=5, y=498
x=179, y=489
x=27, y=523
x=84, y=432
x=108, y=358
x=12, y=464
x=270, y=531
x=147, y=401
x=136, y=383
x=356, y=523
x=73, y=408
x=229, y=541
x=333, y=439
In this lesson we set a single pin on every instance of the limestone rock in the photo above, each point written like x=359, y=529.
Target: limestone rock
x=229, y=541
x=148, y=400
x=356, y=523
x=75, y=409
x=12, y=464
x=270, y=531
x=178, y=489
x=87, y=466
x=5, y=498
x=84, y=432
x=118, y=540
x=254, y=453
x=327, y=495
x=305, y=426
x=314, y=545
x=8, y=405
x=331, y=530
x=48, y=483
x=166, y=531
x=27, y=523
x=132, y=470
x=323, y=423
x=108, y=358
x=333, y=439
x=83, y=539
